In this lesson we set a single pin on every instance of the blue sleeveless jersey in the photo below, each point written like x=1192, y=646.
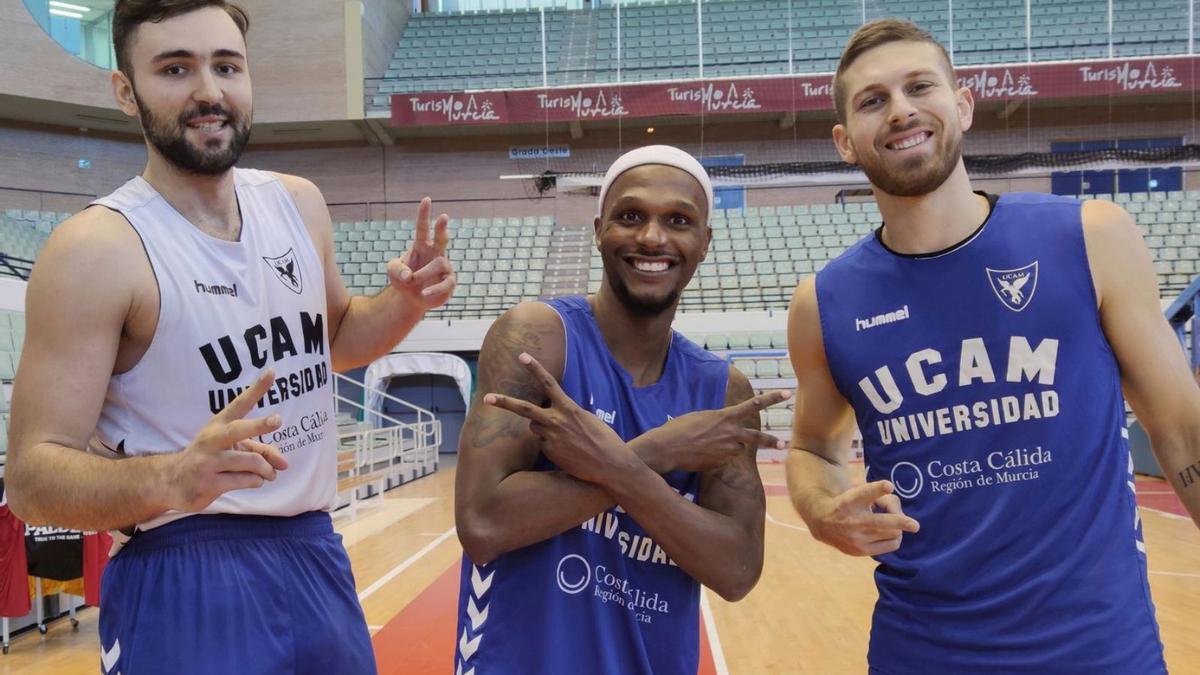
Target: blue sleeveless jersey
x=603, y=597
x=987, y=393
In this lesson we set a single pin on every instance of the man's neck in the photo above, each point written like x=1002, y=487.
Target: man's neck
x=935, y=221
x=639, y=343
x=208, y=202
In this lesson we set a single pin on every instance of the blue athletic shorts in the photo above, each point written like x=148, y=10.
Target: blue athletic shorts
x=224, y=594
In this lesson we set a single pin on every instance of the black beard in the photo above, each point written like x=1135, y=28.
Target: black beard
x=168, y=137
x=915, y=181
x=636, y=306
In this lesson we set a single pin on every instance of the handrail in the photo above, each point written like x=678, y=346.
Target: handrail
x=427, y=424
x=1186, y=308
x=373, y=390
x=12, y=266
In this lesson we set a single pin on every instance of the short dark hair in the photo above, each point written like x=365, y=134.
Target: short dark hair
x=129, y=14
x=876, y=34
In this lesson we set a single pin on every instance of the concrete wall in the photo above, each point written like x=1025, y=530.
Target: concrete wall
x=383, y=22
x=35, y=66
x=299, y=59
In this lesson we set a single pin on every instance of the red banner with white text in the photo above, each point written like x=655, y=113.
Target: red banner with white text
x=1039, y=81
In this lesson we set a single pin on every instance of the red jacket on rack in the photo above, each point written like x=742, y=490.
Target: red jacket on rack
x=96, y=546
x=14, y=581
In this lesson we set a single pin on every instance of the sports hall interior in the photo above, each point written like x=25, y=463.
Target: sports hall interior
x=503, y=113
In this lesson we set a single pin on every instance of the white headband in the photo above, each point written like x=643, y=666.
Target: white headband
x=658, y=154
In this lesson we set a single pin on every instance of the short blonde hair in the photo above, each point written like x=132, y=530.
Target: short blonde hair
x=876, y=34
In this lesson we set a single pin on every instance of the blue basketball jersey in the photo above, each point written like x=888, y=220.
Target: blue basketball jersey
x=987, y=393
x=602, y=598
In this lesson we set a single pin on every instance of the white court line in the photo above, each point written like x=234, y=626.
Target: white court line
x=714, y=640
x=780, y=522
x=398, y=569
x=1168, y=514
x=1176, y=574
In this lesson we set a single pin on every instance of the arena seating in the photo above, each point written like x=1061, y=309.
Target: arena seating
x=757, y=257
x=23, y=232
x=502, y=49
x=498, y=261
x=12, y=336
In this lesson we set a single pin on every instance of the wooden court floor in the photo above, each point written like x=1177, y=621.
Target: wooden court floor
x=810, y=613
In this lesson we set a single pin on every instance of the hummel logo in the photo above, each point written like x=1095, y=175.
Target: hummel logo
x=216, y=289
x=108, y=657
x=881, y=319
x=608, y=416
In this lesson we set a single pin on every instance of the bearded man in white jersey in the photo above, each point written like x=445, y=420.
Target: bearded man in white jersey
x=184, y=328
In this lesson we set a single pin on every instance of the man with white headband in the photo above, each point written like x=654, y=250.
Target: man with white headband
x=607, y=467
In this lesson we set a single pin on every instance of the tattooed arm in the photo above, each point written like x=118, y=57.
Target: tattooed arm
x=1154, y=372
x=499, y=503
x=718, y=540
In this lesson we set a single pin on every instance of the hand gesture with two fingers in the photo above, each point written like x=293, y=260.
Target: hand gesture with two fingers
x=225, y=454
x=707, y=439
x=865, y=520
x=423, y=272
x=574, y=439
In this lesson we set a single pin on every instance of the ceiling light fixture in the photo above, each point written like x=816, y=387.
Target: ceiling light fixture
x=69, y=7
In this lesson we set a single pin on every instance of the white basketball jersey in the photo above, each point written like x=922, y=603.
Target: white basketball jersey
x=229, y=310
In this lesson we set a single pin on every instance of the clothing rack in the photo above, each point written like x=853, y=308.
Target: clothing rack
x=40, y=613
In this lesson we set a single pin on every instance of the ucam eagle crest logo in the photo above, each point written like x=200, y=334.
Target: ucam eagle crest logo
x=287, y=270
x=1015, y=288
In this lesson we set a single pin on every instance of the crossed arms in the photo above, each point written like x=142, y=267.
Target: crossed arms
x=501, y=504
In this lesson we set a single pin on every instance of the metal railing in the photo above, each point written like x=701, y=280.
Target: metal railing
x=12, y=266
x=1183, y=311
x=381, y=439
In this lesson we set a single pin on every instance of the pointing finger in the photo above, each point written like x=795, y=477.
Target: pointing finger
x=516, y=406
x=245, y=401
x=421, y=233
x=441, y=235
x=549, y=384
x=865, y=495
x=240, y=430
x=760, y=402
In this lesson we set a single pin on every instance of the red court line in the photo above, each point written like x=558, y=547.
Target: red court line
x=419, y=640
x=1163, y=499
x=776, y=490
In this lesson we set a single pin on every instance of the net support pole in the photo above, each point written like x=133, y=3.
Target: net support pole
x=950, y=27
x=1110, y=29
x=1028, y=32
x=545, y=75
x=791, y=58
x=618, y=41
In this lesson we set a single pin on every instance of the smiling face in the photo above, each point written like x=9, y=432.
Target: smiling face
x=904, y=118
x=190, y=86
x=652, y=233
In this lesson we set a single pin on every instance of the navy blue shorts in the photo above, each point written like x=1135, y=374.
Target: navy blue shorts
x=222, y=594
